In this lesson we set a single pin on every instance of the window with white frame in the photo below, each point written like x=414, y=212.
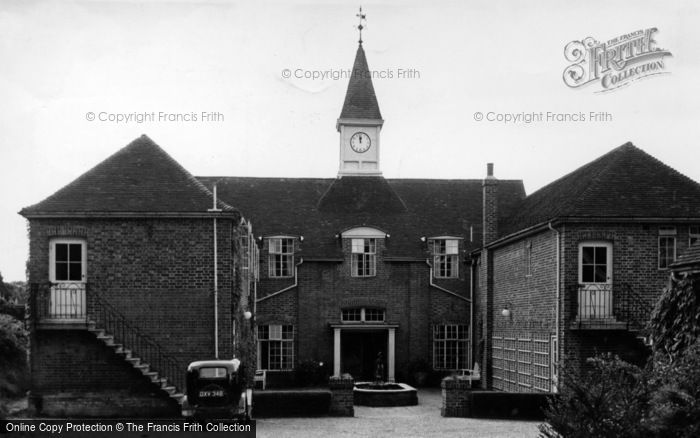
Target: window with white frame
x=693, y=234
x=67, y=258
x=362, y=314
x=667, y=246
x=364, y=257
x=249, y=261
x=450, y=346
x=275, y=347
x=281, y=257
x=445, y=258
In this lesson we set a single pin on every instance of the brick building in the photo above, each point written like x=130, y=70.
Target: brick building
x=124, y=289
x=578, y=266
x=125, y=269
x=358, y=265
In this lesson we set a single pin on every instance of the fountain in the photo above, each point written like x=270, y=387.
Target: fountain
x=382, y=393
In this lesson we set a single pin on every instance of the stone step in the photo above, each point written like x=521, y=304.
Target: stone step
x=107, y=339
x=169, y=389
x=135, y=362
x=178, y=397
x=97, y=332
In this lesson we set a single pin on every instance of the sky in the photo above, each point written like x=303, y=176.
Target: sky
x=70, y=69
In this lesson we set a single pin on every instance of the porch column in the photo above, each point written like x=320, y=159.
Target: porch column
x=391, y=361
x=336, y=352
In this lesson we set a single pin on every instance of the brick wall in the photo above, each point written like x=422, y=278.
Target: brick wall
x=524, y=281
x=635, y=263
x=342, y=399
x=159, y=274
x=93, y=379
x=402, y=288
x=531, y=299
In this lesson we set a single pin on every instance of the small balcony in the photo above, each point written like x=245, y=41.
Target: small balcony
x=58, y=305
x=605, y=306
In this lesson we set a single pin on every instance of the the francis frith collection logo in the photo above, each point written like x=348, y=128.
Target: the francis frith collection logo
x=614, y=63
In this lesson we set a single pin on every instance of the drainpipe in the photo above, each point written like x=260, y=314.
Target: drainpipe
x=432, y=284
x=216, y=279
x=556, y=359
x=296, y=282
x=472, y=269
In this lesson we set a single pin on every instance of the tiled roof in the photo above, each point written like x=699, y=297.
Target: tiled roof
x=305, y=206
x=139, y=178
x=624, y=183
x=360, y=100
x=356, y=194
x=689, y=257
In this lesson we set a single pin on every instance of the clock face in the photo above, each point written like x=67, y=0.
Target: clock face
x=360, y=142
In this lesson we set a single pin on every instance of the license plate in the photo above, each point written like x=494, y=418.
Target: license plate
x=219, y=393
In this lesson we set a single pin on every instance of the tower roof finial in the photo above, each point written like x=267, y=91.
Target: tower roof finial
x=362, y=17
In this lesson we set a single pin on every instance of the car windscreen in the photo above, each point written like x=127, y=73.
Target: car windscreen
x=212, y=373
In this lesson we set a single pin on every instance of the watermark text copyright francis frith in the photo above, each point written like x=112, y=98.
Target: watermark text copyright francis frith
x=536, y=117
x=155, y=117
x=344, y=74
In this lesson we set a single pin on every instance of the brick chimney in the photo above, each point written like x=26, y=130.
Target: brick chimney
x=490, y=210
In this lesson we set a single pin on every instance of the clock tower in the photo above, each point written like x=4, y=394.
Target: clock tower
x=360, y=121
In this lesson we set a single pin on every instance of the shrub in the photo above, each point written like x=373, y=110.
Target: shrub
x=609, y=398
x=311, y=373
x=675, y=405
x=13, y=357
x=675, y=321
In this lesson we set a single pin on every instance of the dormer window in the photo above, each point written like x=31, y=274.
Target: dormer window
x=445, y=251
x=364, y=257
x=363, y=250
x=281, y=257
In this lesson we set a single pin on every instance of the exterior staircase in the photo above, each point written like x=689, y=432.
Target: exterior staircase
x=80, y=306
x=156, y=378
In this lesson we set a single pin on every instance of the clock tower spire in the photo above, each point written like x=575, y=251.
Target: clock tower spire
x=360, y=121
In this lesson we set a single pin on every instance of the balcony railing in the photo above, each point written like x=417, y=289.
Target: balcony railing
x=58, y=302
x=609, y=306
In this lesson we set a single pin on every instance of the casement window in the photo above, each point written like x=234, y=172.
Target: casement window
x=249, y=260
x=275, y=347
x=362, y=314
x=450, y=346
x=693, y=234
x=667, y=246
x=364, y=257
x=595, y=262
x=281, y=257
x=67, y=260
x=445, y=258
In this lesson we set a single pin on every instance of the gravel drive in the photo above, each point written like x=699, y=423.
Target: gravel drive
x=423, y=420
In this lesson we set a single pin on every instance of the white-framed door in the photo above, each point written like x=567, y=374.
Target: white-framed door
x=68, y=275
x=595, y=280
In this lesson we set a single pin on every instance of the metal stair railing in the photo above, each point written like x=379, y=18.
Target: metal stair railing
x=637, y=310
x=108, y=318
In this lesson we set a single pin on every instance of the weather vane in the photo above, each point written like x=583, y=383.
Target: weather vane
x=362, y=17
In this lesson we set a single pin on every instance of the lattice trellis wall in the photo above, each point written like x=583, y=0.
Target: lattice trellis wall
x=522, y=361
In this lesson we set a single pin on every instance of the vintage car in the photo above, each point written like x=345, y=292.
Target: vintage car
x=216, y=389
